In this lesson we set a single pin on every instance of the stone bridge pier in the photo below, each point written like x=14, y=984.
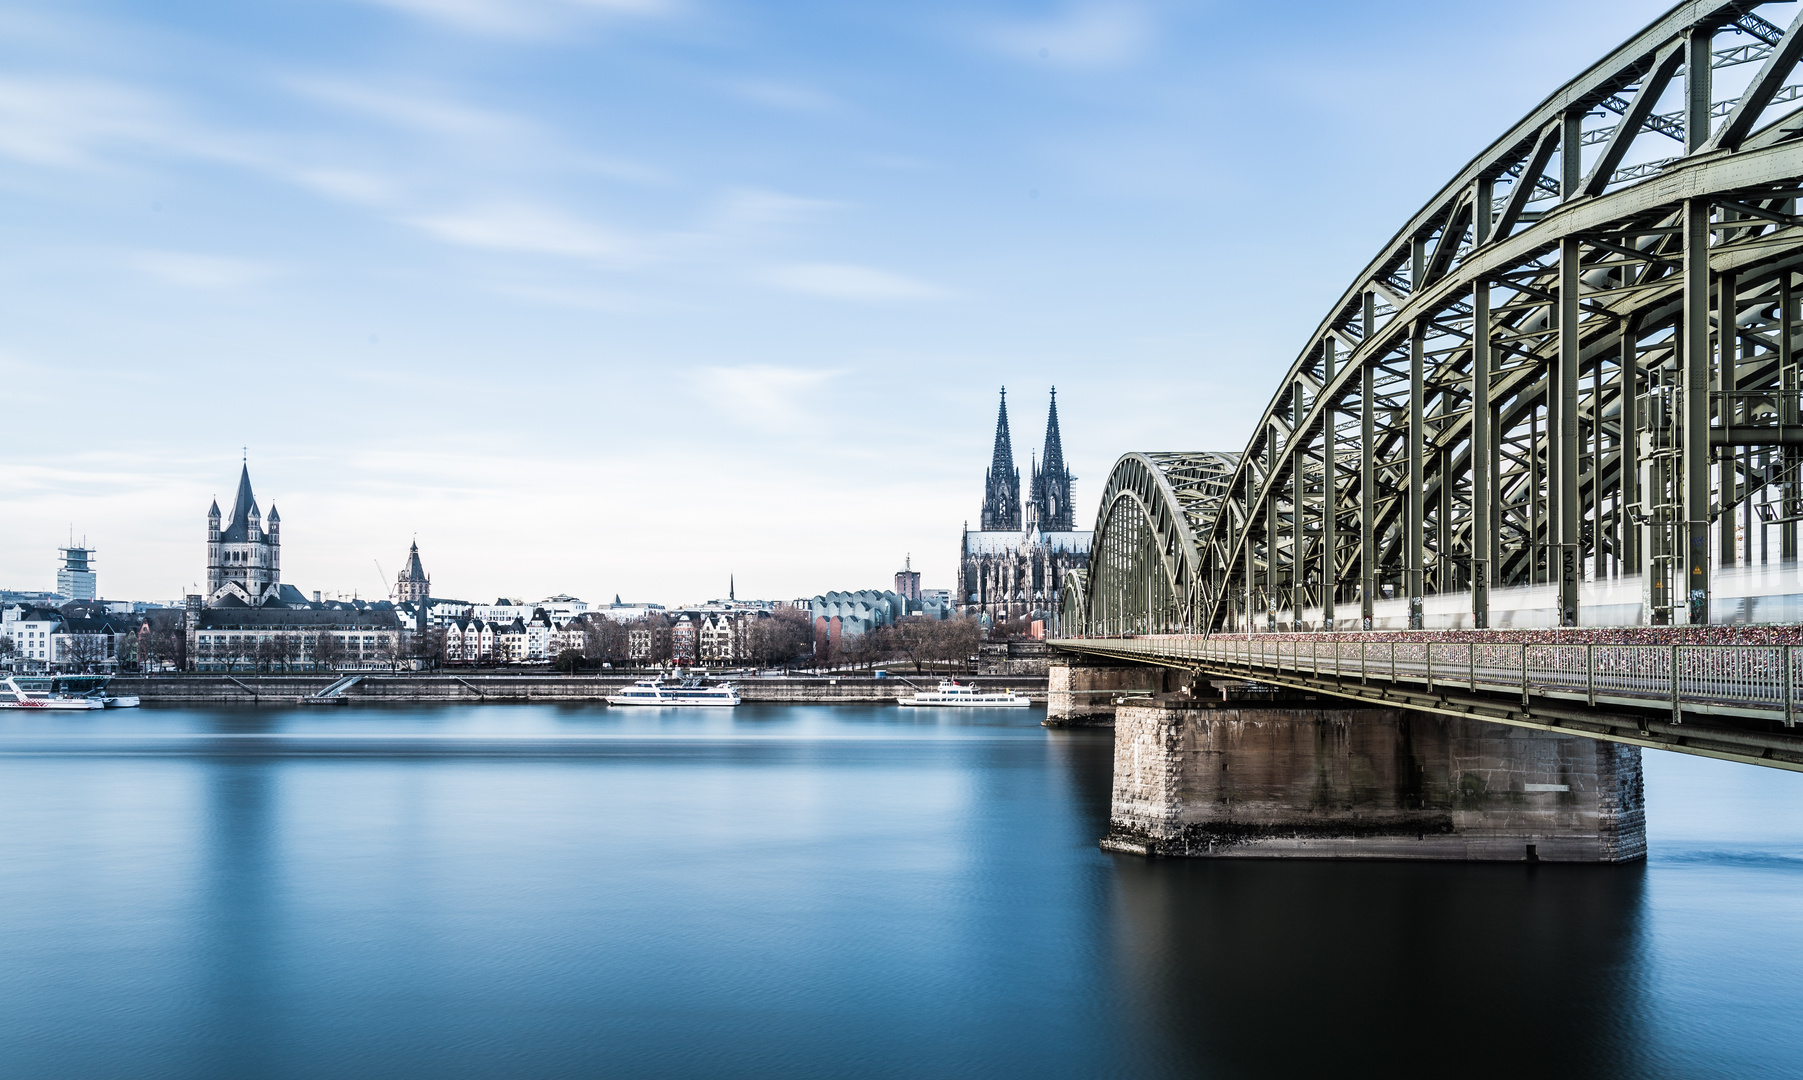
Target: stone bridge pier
x=1082, y=692
x=1228, y=771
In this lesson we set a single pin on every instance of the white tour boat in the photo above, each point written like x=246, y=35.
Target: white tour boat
x=685, y=693
x=952, y=694
x=14, y=696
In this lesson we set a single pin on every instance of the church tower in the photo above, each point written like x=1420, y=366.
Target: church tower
x=1001, y=486
x=1052, y=481
x=244, y=560
x=413, y=585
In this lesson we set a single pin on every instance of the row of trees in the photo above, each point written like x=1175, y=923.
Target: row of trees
x=918, y=641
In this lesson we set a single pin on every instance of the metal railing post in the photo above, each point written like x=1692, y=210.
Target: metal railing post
x=1524, y=678
x=1471, y=665
x=1430, y=666
x=1392, y=661
x=1590, y=674
x=1790, y=718
x=1677, y=708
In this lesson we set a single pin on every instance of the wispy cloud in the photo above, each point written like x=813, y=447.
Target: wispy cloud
x=1087, y=35
x=64, y=122
x=520, y=18
x=839, y=281
x=414, y=111
x=350, y=185
x=760, y=392
x=524, y=227
x=786, y=96
x=194, y=271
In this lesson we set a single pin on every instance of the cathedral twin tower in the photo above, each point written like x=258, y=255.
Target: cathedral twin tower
x=1049, y=505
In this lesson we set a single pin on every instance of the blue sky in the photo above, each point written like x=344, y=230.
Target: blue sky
x=623, y=296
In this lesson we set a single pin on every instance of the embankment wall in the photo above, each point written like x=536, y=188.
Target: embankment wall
x=437, y=687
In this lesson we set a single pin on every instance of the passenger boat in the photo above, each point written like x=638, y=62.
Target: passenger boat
x=950, y=694
x=15, y=696
x=685, y=693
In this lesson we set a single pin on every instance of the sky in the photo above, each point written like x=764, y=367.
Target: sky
x=627, y=296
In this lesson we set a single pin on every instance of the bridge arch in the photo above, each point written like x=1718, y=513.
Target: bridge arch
x=1572, y=375
x=1145, y=565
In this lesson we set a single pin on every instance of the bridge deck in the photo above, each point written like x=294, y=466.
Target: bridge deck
x=1738, y=702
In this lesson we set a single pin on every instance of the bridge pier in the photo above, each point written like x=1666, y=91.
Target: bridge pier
x=1081, y=693
x=1304, y=778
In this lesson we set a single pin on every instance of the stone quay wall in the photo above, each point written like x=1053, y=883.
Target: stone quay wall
x=439, y=687
x=1306, y=779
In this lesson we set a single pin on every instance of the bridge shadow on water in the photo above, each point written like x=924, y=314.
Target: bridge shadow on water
x=1264, y=968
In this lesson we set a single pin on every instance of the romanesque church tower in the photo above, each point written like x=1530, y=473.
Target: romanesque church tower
x=244, y=560
x=1001, y=485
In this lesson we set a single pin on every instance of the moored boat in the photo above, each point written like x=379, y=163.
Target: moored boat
x=682, y=693
x=952, y=694
x=15, y=696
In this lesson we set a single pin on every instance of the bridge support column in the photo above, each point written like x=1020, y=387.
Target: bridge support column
x=1082, y=694
x=1311, y=779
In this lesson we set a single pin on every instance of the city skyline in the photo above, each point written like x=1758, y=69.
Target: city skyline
x=675, y=286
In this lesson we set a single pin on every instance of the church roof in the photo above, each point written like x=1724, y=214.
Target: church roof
x=1002, y=543
x=414, y=572
x=238, y=531
x=213, y=511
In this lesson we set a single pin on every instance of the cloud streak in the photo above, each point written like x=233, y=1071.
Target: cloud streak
x=1088, y=35
x=840, y=281
x=518, y=18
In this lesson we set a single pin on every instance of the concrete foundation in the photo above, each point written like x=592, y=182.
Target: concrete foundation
x=1308, y=779
x=1082, y=694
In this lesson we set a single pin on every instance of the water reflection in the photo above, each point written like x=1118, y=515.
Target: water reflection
x=499, y=892
x=241, y=932
x=1293, y=968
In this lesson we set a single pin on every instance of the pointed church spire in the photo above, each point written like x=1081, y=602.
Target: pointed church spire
x=246, y=503
x=1051, y=490
x=1001, y=486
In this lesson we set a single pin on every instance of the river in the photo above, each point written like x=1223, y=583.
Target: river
x=818, y=891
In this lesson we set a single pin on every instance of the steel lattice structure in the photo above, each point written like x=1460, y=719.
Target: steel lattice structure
x=1575, y=364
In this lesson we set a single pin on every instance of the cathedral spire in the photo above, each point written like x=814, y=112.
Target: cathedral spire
x=1001, y=486
x=1051, y=480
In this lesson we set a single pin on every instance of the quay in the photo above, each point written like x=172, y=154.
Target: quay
x=511, y=688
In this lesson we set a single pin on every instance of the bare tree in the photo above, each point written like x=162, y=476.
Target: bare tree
x=328, y=651
x=871, y=647
x=159, y=646
x=783, y=637
x=606, y=640
x=287, y=650
x=956, y=640
x=429, y=647
x=83, y=652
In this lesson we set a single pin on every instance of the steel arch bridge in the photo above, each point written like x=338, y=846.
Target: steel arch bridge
x=1572, y=375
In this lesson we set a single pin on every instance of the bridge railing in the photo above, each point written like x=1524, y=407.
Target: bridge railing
x=1764, y=681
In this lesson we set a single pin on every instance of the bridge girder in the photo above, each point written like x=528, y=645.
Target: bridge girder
x=1512, y=393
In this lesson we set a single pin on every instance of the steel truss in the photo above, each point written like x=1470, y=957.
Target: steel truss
x=1603, y=389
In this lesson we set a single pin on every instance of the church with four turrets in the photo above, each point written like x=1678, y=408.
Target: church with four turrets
x=1014, y=564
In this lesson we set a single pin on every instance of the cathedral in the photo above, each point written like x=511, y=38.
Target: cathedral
x=244, y=559
x=1014, y=565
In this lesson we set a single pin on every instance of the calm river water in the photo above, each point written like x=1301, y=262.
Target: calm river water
x=798, y=891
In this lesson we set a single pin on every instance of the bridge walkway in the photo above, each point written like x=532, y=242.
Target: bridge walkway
x=1735, y=702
